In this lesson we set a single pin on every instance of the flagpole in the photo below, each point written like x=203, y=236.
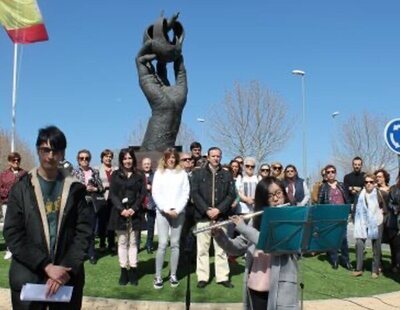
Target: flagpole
x=14, y=98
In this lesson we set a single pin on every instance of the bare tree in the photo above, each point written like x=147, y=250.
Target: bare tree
x=251, y=120
x=185, y=136
x=362, y=135
x=28, y=157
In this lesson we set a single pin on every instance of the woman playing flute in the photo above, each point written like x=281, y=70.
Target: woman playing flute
x=270, y=281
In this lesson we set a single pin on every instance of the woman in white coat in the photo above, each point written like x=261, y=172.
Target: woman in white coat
x=170, y=193
x=368, y=224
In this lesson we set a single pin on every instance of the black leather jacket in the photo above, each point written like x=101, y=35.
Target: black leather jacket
x=323, y=197
x=209, y=190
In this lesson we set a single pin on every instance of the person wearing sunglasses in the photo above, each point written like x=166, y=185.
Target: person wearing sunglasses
x=277, y=170
x=369, y=211
x=187, y=162
x=334, y=192
x=48, y=227
x=247, y=186
x=188, y=239
x=296, y=187
x=90, y=177
x=8, y=178
x=264, y=171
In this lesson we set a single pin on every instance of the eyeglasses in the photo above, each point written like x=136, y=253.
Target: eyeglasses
x=277, y=168
x=369, y=182
x=186, y=159
x=47, y=150
x=330, y=172
x=265, y=170
x=277, y=194
x=16, y=160
x=289, y=171
x=249, y=166
x=84, y=158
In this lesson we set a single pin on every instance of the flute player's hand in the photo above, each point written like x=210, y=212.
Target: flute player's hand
x=216, y=231
x=236, y=219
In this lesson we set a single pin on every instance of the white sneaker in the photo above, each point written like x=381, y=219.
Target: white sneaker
x=8, y=254
x=158, y=283
x=173, y=281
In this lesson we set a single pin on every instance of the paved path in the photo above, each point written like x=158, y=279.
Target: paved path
x=390, y=301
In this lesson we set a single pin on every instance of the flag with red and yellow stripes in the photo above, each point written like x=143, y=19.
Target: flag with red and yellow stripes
x=22, y=21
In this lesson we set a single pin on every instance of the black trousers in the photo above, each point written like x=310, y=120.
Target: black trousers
x=151, y=219
x=102, y=230
x=258, y=300
x=394, y=244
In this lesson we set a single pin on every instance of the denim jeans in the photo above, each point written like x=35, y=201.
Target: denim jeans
x=164, y=226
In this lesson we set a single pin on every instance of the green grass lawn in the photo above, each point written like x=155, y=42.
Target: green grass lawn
x=320, y=280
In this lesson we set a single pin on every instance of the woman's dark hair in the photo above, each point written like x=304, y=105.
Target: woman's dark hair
x=195, y=145
x=14, y=155
x=240, y=167
x=330, y=166
x=54, y=136
x=293, y=167
x=122, y=153
x=261, y=197
x=386, y=175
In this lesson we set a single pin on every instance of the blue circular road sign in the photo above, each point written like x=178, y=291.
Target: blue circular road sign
x=392, y=135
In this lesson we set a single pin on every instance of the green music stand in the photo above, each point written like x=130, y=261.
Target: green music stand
x=292, y=229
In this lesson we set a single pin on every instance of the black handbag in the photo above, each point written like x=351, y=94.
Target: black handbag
x=99, y=202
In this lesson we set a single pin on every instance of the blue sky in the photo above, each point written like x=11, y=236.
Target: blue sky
x=84, y=79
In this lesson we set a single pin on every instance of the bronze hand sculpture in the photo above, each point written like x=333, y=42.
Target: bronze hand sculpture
x=166, y=101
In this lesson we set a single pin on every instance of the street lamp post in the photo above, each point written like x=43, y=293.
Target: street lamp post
x=201, y=121
x=334, y=115
x=303, y=92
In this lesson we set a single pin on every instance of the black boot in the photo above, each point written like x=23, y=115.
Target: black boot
x=133, y=276
x=123, y=278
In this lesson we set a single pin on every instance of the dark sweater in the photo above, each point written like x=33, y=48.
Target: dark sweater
x=353, y=179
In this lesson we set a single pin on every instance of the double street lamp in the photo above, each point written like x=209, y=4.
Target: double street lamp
x=303, y=92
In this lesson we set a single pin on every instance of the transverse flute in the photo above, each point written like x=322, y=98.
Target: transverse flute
x=226, y=222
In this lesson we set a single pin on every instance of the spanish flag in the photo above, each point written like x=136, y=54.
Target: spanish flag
x=23, y=21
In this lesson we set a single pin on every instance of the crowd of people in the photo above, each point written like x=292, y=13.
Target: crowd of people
x=50, y=236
